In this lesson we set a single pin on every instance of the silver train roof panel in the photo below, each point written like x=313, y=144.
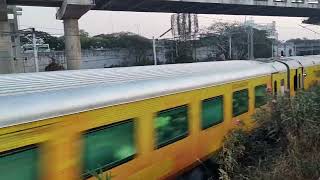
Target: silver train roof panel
x=292, y=63
x=36, y=96
x=307, y=61
x=279, y=67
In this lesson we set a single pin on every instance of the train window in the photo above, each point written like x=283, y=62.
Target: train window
x=108, y=146
x=22, y=163
x=212, y=112
x=240, y=102
x=260, y=95
x=171, y=125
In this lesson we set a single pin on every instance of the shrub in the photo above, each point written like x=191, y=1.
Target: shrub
x=285, y=144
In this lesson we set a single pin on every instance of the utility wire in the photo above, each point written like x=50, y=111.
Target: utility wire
x=309, y=29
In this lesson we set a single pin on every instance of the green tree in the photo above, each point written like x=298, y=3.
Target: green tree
x=137, y=46
x=85, y=40
x=55, y=43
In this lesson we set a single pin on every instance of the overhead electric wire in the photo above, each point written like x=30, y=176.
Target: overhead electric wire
x=309, y=29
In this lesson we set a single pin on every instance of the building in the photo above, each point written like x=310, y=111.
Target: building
x=307, y=47
x=299, y=47
x=286, y=49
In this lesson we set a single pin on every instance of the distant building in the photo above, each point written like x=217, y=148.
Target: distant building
x=299, y=47
x=307, y=47
x=286, y=49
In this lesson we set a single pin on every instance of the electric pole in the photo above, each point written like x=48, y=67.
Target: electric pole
x=230, y=46
x=154, y=50
x=35, y=49
x=248, y=42
x=251, y=44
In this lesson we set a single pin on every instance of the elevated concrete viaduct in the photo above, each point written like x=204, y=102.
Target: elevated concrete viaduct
x=71, y=10
x=5, y=44
x=290, y=8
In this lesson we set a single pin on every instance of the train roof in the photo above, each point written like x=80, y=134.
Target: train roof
x=36, y=96
x=307, y=61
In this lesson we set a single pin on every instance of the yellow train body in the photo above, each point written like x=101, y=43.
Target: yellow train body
x=60, y=139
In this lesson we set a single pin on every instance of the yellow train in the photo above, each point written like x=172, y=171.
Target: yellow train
x=150, y=122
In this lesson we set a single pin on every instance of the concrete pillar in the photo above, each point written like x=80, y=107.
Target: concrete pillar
x=15, y=39
x=17, y=61
x=5, y=43
x=70, y=12
x=72, y=43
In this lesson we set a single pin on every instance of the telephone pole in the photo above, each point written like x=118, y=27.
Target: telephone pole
x=154, y=50
x=35, y=49
x=230, y=46
x=251, y=44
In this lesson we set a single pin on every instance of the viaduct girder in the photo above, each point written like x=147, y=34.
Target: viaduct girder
x=289, y=8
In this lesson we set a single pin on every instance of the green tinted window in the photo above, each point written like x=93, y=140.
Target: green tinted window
x=212, y=112
x=260, y=95
x=171, y=125
x=19, y=164
x=240, y=102
x=108, y=146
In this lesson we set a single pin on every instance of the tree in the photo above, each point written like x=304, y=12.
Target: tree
x=85, y=40
x=218, y=35
x=185, y=52
x=56, y=43
x=54, y=66
x=262, y=44
x=137, y=46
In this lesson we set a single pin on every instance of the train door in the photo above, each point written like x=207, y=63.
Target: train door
x=284, y=80
x=274, y=83
x=275, y=87
x=295, y=80
x=282, y=87
x=298, y=79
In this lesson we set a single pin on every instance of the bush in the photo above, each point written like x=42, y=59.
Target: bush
x=53, y=66
x=285, y=144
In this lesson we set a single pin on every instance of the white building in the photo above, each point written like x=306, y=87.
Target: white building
x=286, y=49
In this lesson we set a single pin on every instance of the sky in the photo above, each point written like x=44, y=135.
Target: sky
x=152, y=24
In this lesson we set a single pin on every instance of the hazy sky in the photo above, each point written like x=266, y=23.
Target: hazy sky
x=150, y=24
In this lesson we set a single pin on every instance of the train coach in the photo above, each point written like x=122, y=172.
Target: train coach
x=150, y=122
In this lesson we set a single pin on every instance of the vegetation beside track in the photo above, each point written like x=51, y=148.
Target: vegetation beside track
x=285, y=145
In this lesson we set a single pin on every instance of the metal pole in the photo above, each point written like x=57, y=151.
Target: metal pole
x=251, y=44
x=272, y=49
x=154, y=51
x=248, y=43
x=230, y=46
x=194, y=48
x=35, y=49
